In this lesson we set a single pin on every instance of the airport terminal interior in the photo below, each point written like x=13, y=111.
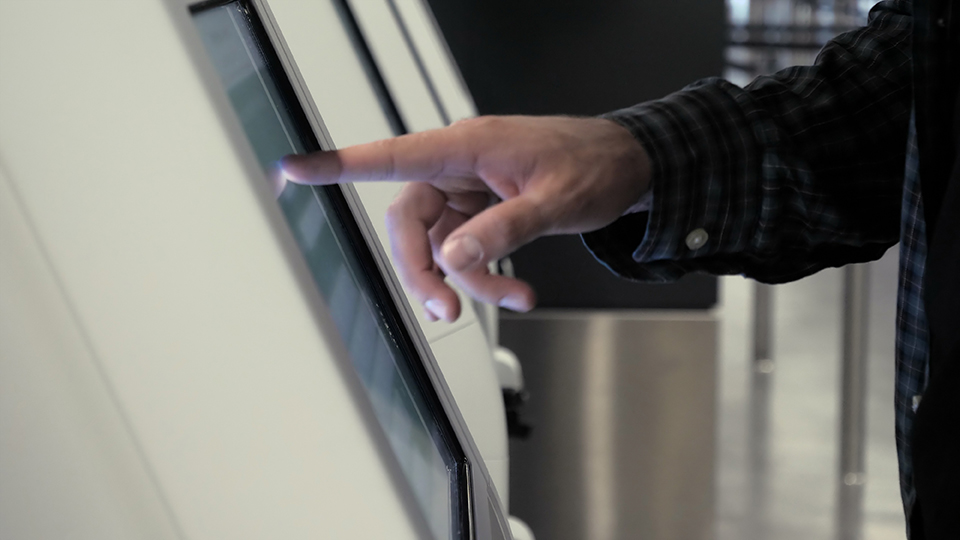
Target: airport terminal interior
x=192, y=347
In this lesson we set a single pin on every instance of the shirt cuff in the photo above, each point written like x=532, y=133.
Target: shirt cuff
x=696, y=139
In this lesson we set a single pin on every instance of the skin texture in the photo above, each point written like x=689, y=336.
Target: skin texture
x=481, y=188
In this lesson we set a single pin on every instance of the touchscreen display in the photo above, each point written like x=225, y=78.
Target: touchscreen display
x=275, y=126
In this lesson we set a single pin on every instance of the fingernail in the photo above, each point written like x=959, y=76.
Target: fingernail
x=286, y=175
x=436, y=307
x=514, y=303
x=462, y=252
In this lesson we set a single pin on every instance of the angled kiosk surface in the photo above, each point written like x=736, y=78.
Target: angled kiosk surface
x=244, y=346
x=364, y=80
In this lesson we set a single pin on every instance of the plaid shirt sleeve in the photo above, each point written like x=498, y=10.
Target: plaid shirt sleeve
x=795, y=172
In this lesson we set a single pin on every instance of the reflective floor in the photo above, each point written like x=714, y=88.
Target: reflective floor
x=777, y=456
x=630, y=440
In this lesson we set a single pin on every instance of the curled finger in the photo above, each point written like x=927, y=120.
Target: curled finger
x=410, y=217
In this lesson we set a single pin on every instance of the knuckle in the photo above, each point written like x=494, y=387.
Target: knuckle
x=395, y=214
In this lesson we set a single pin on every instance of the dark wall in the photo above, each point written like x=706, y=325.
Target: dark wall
x=580, y=56
x=584, y=57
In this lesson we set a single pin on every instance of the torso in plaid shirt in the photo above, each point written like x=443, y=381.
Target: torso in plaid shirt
x=796, y=172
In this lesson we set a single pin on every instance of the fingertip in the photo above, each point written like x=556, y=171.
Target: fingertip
x=290, y=167
x=291, y=174
x=454, y=311
x=317, y=168
x=445, y=310
x=520, y=302
x=497, y=290
x=493, y=233
x=436, y=308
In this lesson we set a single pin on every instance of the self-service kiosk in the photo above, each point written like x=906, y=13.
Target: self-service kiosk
x=384, y=71
x=188, y=347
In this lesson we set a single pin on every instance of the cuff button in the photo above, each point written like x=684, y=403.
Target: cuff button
x=696, y=239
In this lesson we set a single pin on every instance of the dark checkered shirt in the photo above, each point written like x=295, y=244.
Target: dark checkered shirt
x=796, y=172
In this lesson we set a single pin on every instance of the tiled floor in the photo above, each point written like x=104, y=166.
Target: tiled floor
x=777, y=466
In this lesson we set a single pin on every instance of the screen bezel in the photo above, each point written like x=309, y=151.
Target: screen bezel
x=476, y=488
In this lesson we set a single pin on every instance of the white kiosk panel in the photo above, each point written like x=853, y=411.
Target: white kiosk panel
x=187, y=300
x=69, y=467
x=438, y=63
x=230, y=378
x=413, y=96
x=353, y=96
x=254, y=81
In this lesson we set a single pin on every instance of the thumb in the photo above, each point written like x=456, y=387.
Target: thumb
x=492, y=234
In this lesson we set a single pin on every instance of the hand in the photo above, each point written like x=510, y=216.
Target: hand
x=484, y=187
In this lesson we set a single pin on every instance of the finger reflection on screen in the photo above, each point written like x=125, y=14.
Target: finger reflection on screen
x=278, y=180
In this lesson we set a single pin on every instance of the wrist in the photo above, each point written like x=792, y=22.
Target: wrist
x=639, y=170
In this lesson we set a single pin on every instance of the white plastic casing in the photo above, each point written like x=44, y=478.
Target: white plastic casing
x=334, y=74
x=164, y=373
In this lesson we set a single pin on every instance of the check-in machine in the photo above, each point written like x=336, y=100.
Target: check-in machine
x=378, y=68
x=385, y=70
x=186, y=350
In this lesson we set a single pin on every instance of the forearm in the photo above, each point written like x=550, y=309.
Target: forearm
x=797, y=171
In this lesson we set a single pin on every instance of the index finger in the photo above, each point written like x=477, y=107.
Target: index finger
x=418, y=156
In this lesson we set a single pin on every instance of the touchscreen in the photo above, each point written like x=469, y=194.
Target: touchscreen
x=249, y=71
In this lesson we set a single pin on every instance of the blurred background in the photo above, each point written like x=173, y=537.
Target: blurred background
x=708, y=408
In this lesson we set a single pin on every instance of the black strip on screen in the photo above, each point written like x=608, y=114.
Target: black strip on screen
x=418, y=60
x=374, y=75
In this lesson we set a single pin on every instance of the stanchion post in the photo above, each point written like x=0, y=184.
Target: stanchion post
x=853, y=401
x=856, y=288
x=763, y=328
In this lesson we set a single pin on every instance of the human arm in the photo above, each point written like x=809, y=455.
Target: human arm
x=797, y=171
x=551, y=175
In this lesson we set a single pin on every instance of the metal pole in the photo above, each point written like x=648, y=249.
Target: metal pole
x=760, y=397
x=853, y=399
x=856, y=289
x=763, y=328
x=758, y=483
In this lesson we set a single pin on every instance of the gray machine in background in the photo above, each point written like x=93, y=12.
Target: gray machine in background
x=622, y=399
